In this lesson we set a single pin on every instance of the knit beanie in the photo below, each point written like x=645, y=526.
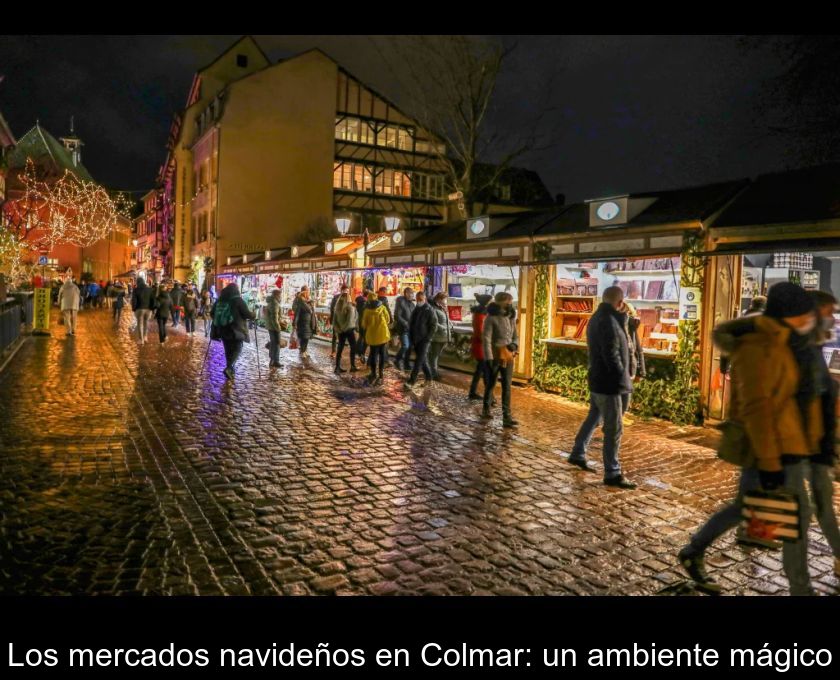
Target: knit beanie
x=787, y=299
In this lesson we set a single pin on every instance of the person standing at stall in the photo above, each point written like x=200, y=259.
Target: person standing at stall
x=344, y=323
x=421, y=330
x=610, y=386
x=482, y=367
x=443, y=333
x=230, y=324
x=376, y=323
x=273, y=324
x=402, y=313
x=305, y=323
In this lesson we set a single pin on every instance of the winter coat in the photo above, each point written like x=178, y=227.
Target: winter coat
x=305, y=318
x=238, y=330
x=375, y=322
x=190, y=306
x=384, y=301
x=423, y=324
x=143, y=297
x=402, y=313
x=163, y=306
x=119, y=299
x=205, y=307
x=443, y=332
x=499, y=331
x=69, y=297
x=272, y=314
x=609, y=352
x=637, y=354
x=345, y=319
x=765, y=381
x=479, y=314
x=361, y=303
x=333, y=303
x=177, y=295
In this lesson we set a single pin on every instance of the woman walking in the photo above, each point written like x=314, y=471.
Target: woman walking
x=345, y=318
x=304, y=320
x=443, y=333
x=190, y=311
x=163, y=312
x=119, y=302
x=375, y=322
x=205, y=311
x=230, y=321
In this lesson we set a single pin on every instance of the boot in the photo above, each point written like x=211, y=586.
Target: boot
x=485, y=412
x=339, y=369
x=508, y=421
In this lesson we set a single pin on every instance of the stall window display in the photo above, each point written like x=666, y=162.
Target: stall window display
x=397, y=280
x=322, y=287
x=650, y=285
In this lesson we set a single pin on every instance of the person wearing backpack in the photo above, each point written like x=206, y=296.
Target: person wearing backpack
x=230, y=325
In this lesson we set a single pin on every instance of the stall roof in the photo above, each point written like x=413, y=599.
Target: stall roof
x=803, y=195
x=670, y=207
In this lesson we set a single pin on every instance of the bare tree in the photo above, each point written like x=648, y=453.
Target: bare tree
x=449, y=85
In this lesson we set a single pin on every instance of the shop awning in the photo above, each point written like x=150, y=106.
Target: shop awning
x=787, y=245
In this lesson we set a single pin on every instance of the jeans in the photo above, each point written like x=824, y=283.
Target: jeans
x=822, y=488
x=70, y=320
x=162, y=328
x=143, y=316
x=349, y=338
x=482, y=372
x=435, y=351
x=233, y=348
x=504, y=374
x=274, y=347
x=189, y=324
x=794, y=554
x=117, y=313
x=421, y=361
x=377, y=352
x=207, y=323
x=404, y=353
x=176, y=317
x=304, y=343
x=609, y=409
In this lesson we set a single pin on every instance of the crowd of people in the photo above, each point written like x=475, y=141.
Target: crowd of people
x=783, y=401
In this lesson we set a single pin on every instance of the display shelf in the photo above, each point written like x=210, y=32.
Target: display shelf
x=632, y=272
x=835, y=371
x=634, y=301
x=576, y=297
x=658, y=352
x=568, y=313
x=563, y=341
x=670, y=322
x=671, y=337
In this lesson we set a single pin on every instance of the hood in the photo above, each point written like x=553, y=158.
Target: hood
x=726, y=334
x=479, y=309
x=483, y=299
x=495, y=309
x=229, y=292
x=373, y=304
x=141, y=284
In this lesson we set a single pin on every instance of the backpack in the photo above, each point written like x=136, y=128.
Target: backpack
x=223, y=314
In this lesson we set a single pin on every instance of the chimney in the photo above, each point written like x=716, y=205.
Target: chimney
x=560, y=199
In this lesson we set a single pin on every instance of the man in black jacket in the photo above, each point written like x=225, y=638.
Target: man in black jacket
x=610, y=386
x=142, y=304
x=421, y=328
x=177, y=295
x=402, y=313
x=333, y=303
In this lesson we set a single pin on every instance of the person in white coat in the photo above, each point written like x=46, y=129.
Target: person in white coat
x=69, y=298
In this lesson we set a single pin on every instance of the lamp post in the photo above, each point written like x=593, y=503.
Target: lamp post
x=343, y=225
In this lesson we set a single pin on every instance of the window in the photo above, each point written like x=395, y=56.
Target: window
x=242, y=60
x=503, y=192
x=428, y=186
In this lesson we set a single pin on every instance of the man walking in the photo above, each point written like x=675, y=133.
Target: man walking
x=404, y=307
x=177, y=295
x=421, y=329
x=69, y=299
x=143, y=302
x=610, y=387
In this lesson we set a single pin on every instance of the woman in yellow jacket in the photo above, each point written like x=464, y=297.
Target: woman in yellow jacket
x=776, y=399
x=375, y=324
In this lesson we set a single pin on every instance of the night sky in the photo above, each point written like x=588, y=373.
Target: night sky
x=632, y=113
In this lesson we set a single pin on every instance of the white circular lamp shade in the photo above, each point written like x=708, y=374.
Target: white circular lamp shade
x=343, y=225
x=392, y=223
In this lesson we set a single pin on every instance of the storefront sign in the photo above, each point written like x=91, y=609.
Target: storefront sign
x=41, y=320
x=690, y=303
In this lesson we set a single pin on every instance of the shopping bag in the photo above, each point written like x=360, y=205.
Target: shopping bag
x=771, y=517
x=293, y=340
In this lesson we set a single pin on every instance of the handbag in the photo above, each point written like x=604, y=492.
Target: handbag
x=293, y=340
x=734, y=447
x=503, y=355
x=771, y=517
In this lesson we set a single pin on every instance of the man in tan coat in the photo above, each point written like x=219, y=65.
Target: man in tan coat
x=775, y=398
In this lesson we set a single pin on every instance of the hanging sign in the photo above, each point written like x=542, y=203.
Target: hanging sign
x=41, y=320
x=690, y=303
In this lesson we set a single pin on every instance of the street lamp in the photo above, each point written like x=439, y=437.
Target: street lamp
x=392, y=223
x=343, y=225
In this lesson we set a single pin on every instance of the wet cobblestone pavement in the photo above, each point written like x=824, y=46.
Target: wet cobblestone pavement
x=133, y=470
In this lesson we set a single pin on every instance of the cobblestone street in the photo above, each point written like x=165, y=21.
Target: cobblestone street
x=128, y=469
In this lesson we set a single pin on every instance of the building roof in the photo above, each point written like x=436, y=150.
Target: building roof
x=47, y=153
x=803, y=195
x=676, y=206
x=526, y=187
